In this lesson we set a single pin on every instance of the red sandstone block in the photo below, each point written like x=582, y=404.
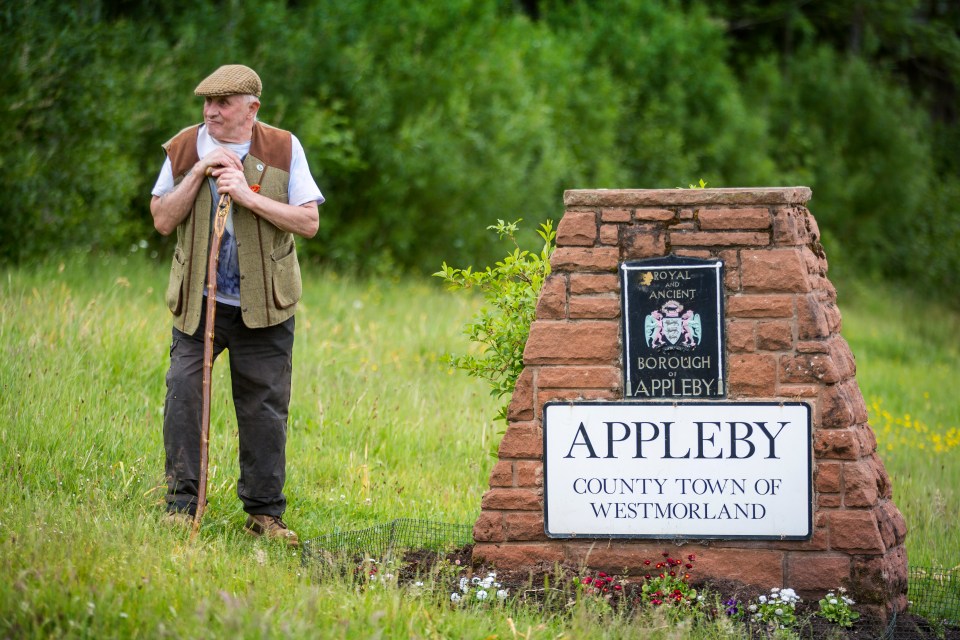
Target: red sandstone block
x=614, y=556
x=881, y=579
x=816, y=261
x=757, y=567
x=523, y=526
x=774, y=335
x=829, y=500
x=760, y=306
x=789, y=226
x=685, y=197
x=860, y=483
x=610, y=234
x=842, y=357
x=615, y=215
x=838, y=444
x=684, y=226
x=893, y=527
x=836, y=410
x=719, y=239
x=813, y=574
x=812, y=321
x=552, y=304
x=813, y=346
x=834, y=319
x=740, y=337
x=809, y=368
x=529, y=473
x=517, y=556
x=522, y=440
x=511, y=500
x=752, y=375
x=774, y=271
x=577, y=228
x=586, y=342
x=867, y=438
x=574, y=395
x=883, y=480
x=521, y=402
x=855, y=531
x=726, y=218
x=731, y=269
x=703, y=254
x=488, y=527
x=645, y=214
x=583, y=259
x=688, y=214
x=591, y=283
x=564, y=377
x=827, y=477
x=594, y=308
x=643, y=242
x=797, y=391
x=502, y=474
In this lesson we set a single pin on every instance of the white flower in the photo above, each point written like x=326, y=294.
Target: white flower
x=775, y=590
x=418, y=583
x=752, y=607
x=464, y=585
x=848, y=601
x=475, y=580
x=481, y=594
x=454, y=597
x=832, y=601
x=762, y=599
x=779, y=612
x=502, y=594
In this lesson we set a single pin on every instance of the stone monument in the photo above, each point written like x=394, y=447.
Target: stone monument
x=685, y=383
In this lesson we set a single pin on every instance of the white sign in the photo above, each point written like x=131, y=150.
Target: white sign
x=692, y=470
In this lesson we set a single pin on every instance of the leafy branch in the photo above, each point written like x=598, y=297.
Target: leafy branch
x=510, y=289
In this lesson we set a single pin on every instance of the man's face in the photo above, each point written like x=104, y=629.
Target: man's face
x=229, y=118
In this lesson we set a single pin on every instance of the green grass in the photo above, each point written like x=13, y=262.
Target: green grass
x=380, y=428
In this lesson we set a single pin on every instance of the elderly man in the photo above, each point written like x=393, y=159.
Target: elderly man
x=265, y=172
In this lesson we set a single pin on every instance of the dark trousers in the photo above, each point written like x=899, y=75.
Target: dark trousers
x=260, y=368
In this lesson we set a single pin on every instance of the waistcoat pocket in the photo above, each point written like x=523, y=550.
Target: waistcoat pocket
x=174, y=295
x=287, y=287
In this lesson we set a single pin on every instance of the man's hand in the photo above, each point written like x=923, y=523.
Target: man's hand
x=172, y=208
x=219, y=158
x=303, y=220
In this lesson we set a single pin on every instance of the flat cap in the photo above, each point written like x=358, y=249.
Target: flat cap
x=230, y=80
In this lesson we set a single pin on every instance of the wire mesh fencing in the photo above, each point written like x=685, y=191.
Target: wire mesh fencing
x=934, y=594
x=385, y=540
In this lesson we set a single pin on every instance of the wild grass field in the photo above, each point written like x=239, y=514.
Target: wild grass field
x=380, y=428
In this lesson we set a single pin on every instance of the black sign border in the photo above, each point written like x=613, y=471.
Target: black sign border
x=677, y=538
x=687, y=263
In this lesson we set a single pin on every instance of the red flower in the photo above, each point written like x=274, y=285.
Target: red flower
x=646, y=562
x=691, y=557
x=255, y=188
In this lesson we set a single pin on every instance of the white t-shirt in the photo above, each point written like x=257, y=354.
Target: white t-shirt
x=301, y=189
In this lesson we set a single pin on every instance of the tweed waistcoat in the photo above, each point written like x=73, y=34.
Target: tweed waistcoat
x=270, y=285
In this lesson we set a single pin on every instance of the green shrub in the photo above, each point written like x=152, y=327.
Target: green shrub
x=510, y=289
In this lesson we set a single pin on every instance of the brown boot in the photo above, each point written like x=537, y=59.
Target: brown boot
x=272, y=527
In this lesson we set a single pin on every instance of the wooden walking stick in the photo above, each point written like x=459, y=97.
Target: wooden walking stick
x=219, y=223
